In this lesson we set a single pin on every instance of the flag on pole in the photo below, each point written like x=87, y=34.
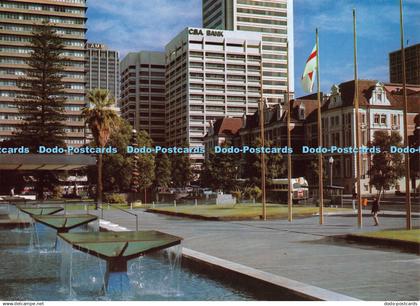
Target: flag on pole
x=308, y=77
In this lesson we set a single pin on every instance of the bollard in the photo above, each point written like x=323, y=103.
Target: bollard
x=153, y=204
x=131, y=205
x=174, y=203
x=195, y=202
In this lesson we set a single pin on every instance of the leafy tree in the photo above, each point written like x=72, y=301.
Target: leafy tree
x=221, y=171
x=181, y=170
x=117, y=168
x=312, y=172
x=275, y=165
x=42, y=103
x=101, y=119
x=386, y=168
x=162, y=171
x=206, y=175
x=146, y=162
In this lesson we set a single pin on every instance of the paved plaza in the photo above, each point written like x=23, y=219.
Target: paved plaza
x=301, y=251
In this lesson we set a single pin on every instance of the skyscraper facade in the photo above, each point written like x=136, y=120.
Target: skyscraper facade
x=102, y=69
x=143, y=93
x=17, y=19
x=412, y=64
x=272, y=18
x=210, y=74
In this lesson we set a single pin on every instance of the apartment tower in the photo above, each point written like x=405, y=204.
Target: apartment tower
x=210, y=74
x=102, y=69
x=143, y=93
x=16, y=24
x=272, y=18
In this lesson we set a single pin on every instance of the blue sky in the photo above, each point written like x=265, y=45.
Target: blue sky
x=134, y=25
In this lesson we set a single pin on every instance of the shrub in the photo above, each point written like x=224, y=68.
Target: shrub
x=237, y=194
x=255, y=193
x=115, y=198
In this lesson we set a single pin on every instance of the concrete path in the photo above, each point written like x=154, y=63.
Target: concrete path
x=300, y=251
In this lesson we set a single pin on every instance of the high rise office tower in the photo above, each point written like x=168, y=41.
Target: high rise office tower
x=412, y=64
x=210, y=74
x=274, y=19
x=16, y=25
x=102, y=69
x=143, y=93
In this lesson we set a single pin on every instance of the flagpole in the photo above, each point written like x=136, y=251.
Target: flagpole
x=406, y=144
x=289, y=144
x=357, y=127
x=320, y=156
x=262, y=136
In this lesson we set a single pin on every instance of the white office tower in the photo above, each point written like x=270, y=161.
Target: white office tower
x=210, y=74
x=272, y=18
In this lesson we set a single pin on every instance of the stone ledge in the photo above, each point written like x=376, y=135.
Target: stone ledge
x=293, y=290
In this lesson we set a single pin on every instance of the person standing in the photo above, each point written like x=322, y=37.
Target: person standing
x=375, y=210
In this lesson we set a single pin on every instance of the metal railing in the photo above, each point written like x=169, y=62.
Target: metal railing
x=85, y=205
x=121, y=209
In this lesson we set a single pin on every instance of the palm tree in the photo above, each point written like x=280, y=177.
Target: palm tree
x=101, y=118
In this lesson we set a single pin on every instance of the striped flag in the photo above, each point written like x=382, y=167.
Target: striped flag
x=308, y=77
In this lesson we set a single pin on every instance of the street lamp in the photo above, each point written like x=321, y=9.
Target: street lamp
x=331, y=162
x=135, y=182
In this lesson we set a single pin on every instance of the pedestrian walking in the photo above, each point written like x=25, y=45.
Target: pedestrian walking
x=375, y=210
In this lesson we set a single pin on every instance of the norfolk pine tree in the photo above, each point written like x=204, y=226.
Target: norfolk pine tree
x=41, y=104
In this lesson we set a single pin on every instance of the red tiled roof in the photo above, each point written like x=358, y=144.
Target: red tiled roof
x=227, y=126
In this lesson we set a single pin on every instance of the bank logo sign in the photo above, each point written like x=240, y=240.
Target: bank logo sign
x=202, y=32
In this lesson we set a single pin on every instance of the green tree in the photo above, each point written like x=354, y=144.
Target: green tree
x=220, y=171
x=117, y=168
x=275, y=165
x=386, y=168
x=42, y=103
x=146, y=162
x=181, y=169
x=312, y=172
x=101, y=119
x=162, y=171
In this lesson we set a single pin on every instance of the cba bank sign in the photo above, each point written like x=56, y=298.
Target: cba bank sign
x=202, y=32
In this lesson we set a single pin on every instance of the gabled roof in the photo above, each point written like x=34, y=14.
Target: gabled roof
x=347, y=90
x=227, y=126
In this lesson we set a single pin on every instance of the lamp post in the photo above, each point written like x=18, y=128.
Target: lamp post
x=135, y=183
x=331, y=162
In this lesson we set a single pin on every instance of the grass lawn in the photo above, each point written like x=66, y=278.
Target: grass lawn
x=243, y=211
x=401, y=235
